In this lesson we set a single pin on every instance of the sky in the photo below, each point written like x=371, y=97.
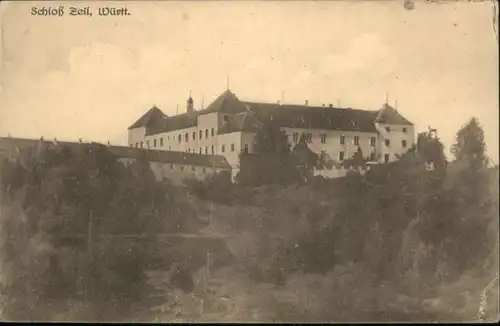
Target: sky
x=92, y=77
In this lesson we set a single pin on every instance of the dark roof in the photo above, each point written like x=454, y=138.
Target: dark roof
x=387, y=114
x=227, y=102
x=244, y=121
x=152, y=118
x=300, y=116
x=171, y=157
x=289, y=115
x=11, y=145
x=182, y=121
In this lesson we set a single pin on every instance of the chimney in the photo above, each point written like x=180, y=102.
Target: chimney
x=55, y=141
x=80, y=140
x=9, y=136
x=330, y=106
x=323, y=105
x=306, y=104
x=109, y=143
x=278, y=102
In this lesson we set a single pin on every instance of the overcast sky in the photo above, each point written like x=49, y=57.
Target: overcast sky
x=92, y=77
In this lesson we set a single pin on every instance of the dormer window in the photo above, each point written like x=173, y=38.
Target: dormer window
x=387, y=142
x=405, y=130
x=388, y=129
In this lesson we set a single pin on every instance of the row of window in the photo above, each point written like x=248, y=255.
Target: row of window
x=404, y=129
x=223, y=149
x=308, y=137
x=179, y=138
x=404, y=143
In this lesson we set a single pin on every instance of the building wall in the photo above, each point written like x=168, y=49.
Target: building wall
x=332, y=145
x=177, y=173
x=135, y=136
x=395, y=135
x=207, y=125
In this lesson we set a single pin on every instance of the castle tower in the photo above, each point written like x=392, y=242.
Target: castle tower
x=190, y=108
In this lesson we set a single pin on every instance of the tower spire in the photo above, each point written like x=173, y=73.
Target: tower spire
x=386, y=97
x=227, y=82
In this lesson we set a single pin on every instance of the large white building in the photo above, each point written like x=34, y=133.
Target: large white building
x=228, y=125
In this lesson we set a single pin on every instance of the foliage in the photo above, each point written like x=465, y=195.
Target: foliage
x=272, y=162
x=64, y=199
x=470, y=145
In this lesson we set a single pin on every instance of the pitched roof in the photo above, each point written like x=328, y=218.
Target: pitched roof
x=387, y=114
x=10, y=146
x=300, y=116
x=244, y=121
x=182, y=121
x=289, y=115
x=149, y=118
x=227, y=102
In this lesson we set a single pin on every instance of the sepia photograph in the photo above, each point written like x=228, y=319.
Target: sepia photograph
x=249, y=161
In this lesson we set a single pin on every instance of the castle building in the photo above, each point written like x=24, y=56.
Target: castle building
x=228, y=126
x=173, y=166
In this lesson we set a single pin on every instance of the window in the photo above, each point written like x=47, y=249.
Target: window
x=194, y=135
x=232, y=147
x=309, y=137
x=161, y=141
x=189, y=150
x=223, y=148
x=179, y=138
x=322, y=155
x=201, y=134
x=342, y=140
x=206, y=133
x=171, y=166
x=387, y=142
x=388, y=129
x=154, y=142
x=356, y=140
x=386, y=158
x=147, y=143
x=169, y=147
x=373, y=141
x=201, y=150
x=295, y=137
x=213, y=132
x=186, y=137
x=372, y=156
x=404, y=130
x=213, y=149
x=206, y=149
x=341, y=156
x=245, y=148
x=403, y=143
x=136, y=144
x=323, y=138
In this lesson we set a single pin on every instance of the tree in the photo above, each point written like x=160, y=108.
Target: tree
x=305, y=158
x=431, y=150
x=357, y=160
x=272, y=162
x=64, y=193
x=470, y=146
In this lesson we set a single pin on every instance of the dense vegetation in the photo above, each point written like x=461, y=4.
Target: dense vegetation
x=65, y=214
x=403, y=242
